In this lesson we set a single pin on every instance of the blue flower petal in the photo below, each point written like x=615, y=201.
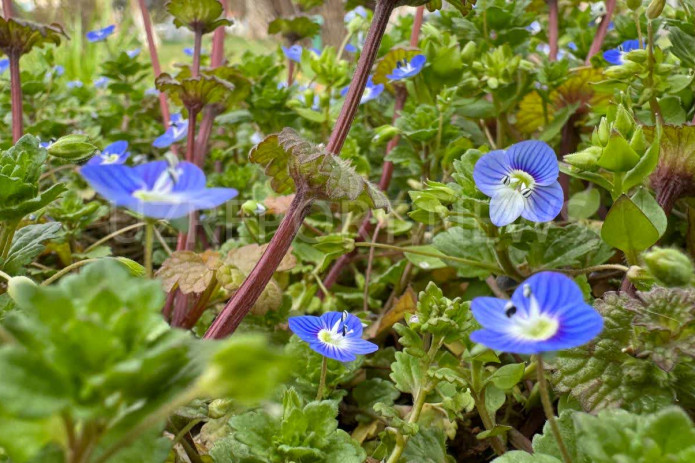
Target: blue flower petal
x=506, y=206
x=489, y=171
x=191, y=177
x=535, y=158
x=553, y=291
x=490, y=312
x=350, y=48
x=360, y=346
x=613, y=56
x=293, y=53
x=353, y=323
x=306, y=327
x=330, y=351
x=504, y=341
x=100, y=34
x=116, y=183
x=4, y=65
x=544, y=204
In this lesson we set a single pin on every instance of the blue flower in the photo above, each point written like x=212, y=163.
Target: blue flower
x=350, y=48
x=100, y=34
x=58, y=70
x=371, y=91
x=534, y=28
x=156, y=189
x=615, y=56
x=152, y=91
x=405, y=68
x=522, y=181
x=546, y=313
x=101, y=82
x=4, y=65
x=358, y=11
x=176, y=132
x=75, y=84
x=133, y=53
x=46, y=144
x=293, y=53
x=115, y=153
x=336, y=335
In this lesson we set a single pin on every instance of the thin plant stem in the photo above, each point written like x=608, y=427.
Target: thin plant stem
x=162, y=241
x=197, y=45
x=416, y=252
x=149, y=241
x=7, y=8
x=548, y=409
x=601, y=31
x=16, y=96
x=114, y=234
x=553, y=29
x=6, y=237
x=479, y=397
x=247, y=295
x=640, y=39
x=368, y=273
x=5, y=276
x=343, y=44
x=596, y=268
x=322, y=380
x=64, y=271
x=653, y=104
x=154, y=58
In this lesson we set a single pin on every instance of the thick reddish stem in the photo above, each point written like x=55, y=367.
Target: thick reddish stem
x=417, y=25
x=7, y=8
x=247, y=295
x=217, y=53
x=290, y=72
x=154, y=57
x=197, y=47
x=16, y=97
x=382, y=12
x=601, y=31
x=553, y=28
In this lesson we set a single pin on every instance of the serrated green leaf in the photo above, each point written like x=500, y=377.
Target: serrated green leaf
x=27, y=244
x=196, y=92
x=19, y=36
x=469, y=244
x=198, y=15
x=294, y=28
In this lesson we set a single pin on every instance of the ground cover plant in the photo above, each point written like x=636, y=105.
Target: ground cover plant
x=465, y=234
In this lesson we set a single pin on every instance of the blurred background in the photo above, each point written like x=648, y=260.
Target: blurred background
x=249, y=31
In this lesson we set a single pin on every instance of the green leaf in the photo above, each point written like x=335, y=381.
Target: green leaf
x=558, y=122
x=196, y=92
x=24, y=439
x=618, y=156
x=584, y=204
x=198, y=15
x=647, y=162
x=683, y=46
x=469, y=244
x=442, y=317
x=295, y=28
x=494, y=398
x=27, y=244
x=31, y=388
x=425, y=262
x=498, y=430
x=518, y=456
x=628, y=228
x=407, y=373
x=646, y=203
x=546, y=443
x=507, y=376
x=427, y=446
x=369, y=392
x=19, y=37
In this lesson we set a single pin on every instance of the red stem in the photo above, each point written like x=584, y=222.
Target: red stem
x=382, y=12
x=197, y=46
x=7, y=8
x=290, y=72
x=217, y=53
x=16, y=97
x=386, y=168
x=601, y=32
x=553, y=28
x=247, y=295
x=154, y=57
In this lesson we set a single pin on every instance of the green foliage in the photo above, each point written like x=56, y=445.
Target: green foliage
x=304, y=431
x=643, y=359
x=20, y=169
x=634, y=224
x=195, y=92
x=27, y=244
x=203, y=16
x=294, y=29
x=18, y=37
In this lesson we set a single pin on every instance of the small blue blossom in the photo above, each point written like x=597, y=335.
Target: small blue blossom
x=350, y=48
x=133, y=53
x=100, y=34
x=156, y=189
x=521, y=181
x=336, y=335
x=58, y=70
x=188, y=51
x=177, y=131
x=534, y=28
x=371, y=91
x=546, y=313
x=293, y=53
x=405, y=68
x=115, y=153
x=101, y=82
x=4, y=65
x=616, y=56
x=352, y=14
x=152, y=91
x=75, y=84
x=46, y=144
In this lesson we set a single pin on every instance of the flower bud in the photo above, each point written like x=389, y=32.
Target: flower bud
x=134, y=268
x=72, y=147
x=669, y=266
x=434, y=5
x=655, y=8
x=493, y=83
x=638, y=142
x=604, y=132
x=637, y=56
x=252, y=207
x=18, y=288
x=584, y=160
x=634, y=4
x=623, y=122
x=218, y=408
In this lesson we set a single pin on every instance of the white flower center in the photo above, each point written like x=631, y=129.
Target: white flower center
x=520, y=181
x=109, y=158
x=336, y=335
x=161, y=191
x=536, y=326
